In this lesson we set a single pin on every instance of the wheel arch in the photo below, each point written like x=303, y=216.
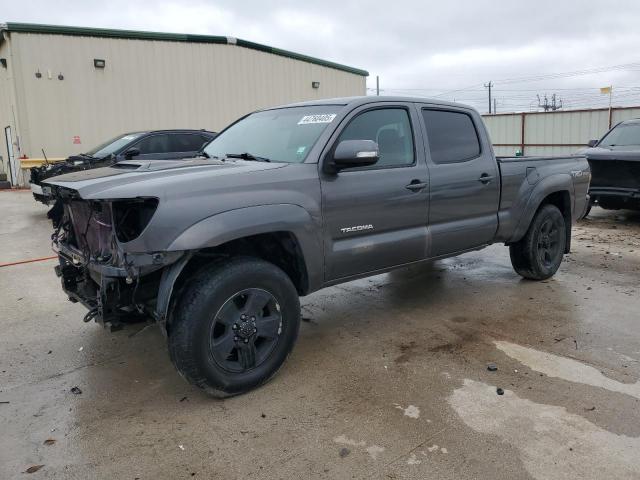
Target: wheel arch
x=555, y=190
x=280, y=234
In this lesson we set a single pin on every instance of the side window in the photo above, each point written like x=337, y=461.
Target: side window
x=452, y=136
x=153, y=144
x=390, y=128
x=185, y=142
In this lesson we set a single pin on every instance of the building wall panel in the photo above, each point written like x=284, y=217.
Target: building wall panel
x=552, y=133
x=626, y=114
x=151, y=85
x=503, y=128
x=7, y=102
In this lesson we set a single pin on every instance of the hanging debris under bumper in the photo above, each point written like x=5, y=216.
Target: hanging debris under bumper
x=116, y=286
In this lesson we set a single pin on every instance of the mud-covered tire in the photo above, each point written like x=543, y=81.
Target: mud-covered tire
x=538, y=255
x=198, y=315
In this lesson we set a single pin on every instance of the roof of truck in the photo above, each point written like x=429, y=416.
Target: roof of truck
x=362, y=100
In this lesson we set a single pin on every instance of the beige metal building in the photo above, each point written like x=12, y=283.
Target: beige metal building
x=67, y=89
x=552, y=133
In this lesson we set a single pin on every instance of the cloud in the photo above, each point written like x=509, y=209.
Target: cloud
x=414, y=46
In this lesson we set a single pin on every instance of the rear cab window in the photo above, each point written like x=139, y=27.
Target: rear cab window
x=451, y=135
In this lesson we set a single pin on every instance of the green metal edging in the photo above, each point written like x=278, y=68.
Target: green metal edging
x=171, y=37
x=299, y=56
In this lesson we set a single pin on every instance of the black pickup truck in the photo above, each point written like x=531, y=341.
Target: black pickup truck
x=615, y=167
x=290, y=200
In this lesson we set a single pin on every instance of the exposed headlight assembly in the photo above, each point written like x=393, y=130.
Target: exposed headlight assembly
x=131, y=216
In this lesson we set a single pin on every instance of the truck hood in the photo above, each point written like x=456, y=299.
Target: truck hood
x=129, y=179
x=627, y=152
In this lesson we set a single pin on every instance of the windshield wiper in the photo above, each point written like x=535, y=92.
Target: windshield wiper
x=247, y=156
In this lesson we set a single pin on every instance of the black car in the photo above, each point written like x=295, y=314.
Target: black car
x=150, y=145
x=615, y=167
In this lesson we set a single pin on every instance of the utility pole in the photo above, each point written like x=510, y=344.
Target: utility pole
x=495, y=106
x=610, y=111
x=489, y=85
x=377, y=85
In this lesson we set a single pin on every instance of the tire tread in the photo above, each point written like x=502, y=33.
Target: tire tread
x=182, y=328
x=522, y=253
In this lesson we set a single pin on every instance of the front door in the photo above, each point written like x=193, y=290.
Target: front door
x=465, y=181
x=376, y=217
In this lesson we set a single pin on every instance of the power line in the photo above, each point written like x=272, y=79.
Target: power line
x=575, y=73
x=548, y=76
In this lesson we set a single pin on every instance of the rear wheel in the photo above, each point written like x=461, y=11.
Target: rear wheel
x=234, y=326
x=539, y=254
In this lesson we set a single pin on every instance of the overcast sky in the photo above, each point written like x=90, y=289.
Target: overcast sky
x=416, y=47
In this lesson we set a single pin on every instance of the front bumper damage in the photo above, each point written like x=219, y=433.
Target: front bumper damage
x=114, y=295
x=97, y=270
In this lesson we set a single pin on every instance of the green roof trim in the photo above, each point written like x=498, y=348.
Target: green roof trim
x=171, y=37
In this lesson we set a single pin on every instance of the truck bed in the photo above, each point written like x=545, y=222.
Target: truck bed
x=521, y=177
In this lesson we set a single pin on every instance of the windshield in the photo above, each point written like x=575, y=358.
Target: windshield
x=622, y=135
x=113, y=145
x=281, y=135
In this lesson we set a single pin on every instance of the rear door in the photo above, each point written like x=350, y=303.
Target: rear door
x=376, y=217
x=465, y=180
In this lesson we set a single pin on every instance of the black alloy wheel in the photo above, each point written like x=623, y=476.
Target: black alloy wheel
x=245, y=330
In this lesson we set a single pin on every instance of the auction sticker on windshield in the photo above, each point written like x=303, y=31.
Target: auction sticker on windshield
x=323, y=118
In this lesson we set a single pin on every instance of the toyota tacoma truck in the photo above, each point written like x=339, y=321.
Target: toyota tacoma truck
x=286, y=201
x=615, y=167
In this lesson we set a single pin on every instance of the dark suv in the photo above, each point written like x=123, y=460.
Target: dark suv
x=615, y=167
x=149, y=145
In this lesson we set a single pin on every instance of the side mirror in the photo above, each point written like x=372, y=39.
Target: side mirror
x=132, y=152
x=354, y=153
x=592, y=143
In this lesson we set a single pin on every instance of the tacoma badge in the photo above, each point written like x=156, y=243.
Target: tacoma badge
x=356, y=228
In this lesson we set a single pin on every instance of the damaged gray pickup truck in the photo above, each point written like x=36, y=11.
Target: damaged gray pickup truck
x=286, y=201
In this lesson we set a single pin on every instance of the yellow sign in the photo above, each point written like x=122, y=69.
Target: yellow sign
x=605, y=90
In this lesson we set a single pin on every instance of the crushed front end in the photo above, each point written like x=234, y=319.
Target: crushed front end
x=37, y=175
x=90, y=237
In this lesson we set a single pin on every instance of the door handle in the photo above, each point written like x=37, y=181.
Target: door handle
x=416, y=185
x=485, y=178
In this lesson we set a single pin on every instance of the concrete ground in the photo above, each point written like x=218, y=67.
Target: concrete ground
x=389, y=377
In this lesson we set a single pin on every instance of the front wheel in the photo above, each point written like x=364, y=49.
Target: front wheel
x=234, y=326
x=537, y=256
